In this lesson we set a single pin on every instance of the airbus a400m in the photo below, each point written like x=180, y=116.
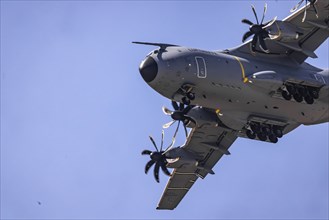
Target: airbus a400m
x=260, y=90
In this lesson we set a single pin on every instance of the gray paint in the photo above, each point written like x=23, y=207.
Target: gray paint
x=224, y=88
x=237, y=89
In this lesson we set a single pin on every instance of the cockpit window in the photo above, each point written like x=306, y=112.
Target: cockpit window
x=201, y=67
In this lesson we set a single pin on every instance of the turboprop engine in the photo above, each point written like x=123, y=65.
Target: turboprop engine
x=284, y=31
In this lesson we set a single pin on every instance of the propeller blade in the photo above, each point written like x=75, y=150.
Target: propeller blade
x=156, y=172
x=162, y=136
x=246, y=35
x=315, y=10
x=187, y=109
x=148, y=165
x=253, y=43
x=253, y=9
x=268, y=24
x=262, y=44
x=185, y=129
x=146, y=152
x=264, y=13
x=166, y=111
x=164, y=169
x=170, y=146
x=177, y=129
x=181, y=106
x=173, y=141
x=154, y=143
x=190, y=119
x=246, y=21
x=296, y=6
x=305, y=12
x=174, y=104
x=168, y=124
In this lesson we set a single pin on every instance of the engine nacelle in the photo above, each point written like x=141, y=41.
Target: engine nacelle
x=178, y=157
x=284, y=31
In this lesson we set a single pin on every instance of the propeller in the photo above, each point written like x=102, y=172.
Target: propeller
x=158, y=158
x=179, y=114
x=312, y=3
x=258, y=30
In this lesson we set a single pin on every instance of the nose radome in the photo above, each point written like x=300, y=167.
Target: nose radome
x=148, y=69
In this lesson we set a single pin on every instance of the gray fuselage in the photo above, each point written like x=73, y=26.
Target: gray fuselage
x=239, y=85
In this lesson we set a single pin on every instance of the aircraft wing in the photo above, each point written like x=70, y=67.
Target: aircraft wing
x=209, y=142
x=315, y=30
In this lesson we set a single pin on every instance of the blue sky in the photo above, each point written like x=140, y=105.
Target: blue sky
x=76, y=114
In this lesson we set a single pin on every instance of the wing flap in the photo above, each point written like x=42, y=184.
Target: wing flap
x=178, y=185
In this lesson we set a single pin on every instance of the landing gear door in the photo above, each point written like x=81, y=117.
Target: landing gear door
x=201, y=67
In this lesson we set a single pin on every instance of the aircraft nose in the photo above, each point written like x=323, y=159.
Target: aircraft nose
x=148, y=69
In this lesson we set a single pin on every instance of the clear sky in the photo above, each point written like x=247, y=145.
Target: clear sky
x=76, y=114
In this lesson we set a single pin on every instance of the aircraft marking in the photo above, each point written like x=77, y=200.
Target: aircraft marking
x=244, y=78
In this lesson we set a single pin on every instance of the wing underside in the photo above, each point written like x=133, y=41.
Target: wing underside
x=208, y=142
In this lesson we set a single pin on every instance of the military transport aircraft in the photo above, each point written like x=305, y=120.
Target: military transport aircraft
x=260, y=90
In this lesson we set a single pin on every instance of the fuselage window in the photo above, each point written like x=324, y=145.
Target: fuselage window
x=201, y=67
